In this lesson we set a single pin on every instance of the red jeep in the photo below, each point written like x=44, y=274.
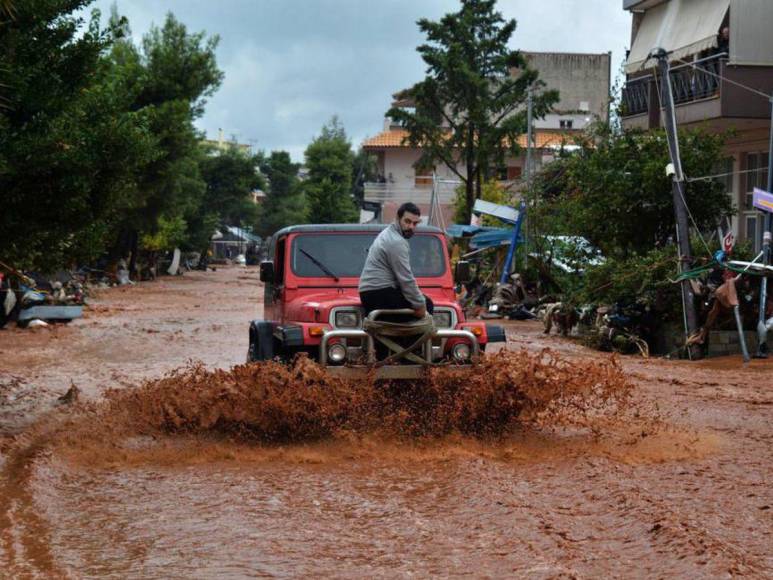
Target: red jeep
x=312, y=304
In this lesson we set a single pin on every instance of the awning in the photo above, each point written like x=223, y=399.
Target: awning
x=751, y=42
x=681, y=27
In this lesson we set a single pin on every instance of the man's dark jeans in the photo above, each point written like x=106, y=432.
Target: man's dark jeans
x=390, y=299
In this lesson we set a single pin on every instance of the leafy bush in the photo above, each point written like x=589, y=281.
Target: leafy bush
x=643, y=279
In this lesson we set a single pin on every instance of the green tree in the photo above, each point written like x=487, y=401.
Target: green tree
x=364, y=170
x=469, y=111
x=615, y=191
x=285, y=203
x=328, y=187
x=168, y=77
x=231, y=176
x=70, y=149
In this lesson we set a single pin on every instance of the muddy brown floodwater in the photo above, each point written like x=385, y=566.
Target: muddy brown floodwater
x=549, y=461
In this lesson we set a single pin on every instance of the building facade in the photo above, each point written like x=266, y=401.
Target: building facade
x=716, y=49
x=583, y=82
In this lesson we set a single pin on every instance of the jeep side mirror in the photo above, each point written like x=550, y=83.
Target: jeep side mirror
x=267, y=271
x=462, y=272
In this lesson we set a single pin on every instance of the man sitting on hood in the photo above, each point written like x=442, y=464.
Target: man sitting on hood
x=387, y=281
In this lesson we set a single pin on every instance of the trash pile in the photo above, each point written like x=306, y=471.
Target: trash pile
x=32, y=300
x=620, y=327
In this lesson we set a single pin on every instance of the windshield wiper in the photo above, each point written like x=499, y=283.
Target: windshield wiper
x=319, y=264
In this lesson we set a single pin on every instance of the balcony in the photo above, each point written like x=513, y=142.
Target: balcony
x=689, y=84
x=399, y=193
x=700, y=92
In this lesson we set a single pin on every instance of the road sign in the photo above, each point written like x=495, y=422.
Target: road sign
x=728, y=241
x=763, y=200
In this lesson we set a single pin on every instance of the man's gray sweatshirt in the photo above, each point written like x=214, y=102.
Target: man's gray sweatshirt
x=388, y=265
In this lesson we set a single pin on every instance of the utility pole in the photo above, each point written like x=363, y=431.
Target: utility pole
x=680, y=210
x=762, y=330
x=529, y=225
x=432, y=199
x=529, y=113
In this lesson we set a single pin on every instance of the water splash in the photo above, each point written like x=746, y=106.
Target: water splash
x=270, y=402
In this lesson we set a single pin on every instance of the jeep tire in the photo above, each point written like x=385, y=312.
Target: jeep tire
x=261, y=341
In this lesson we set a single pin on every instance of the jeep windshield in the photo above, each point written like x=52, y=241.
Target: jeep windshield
x=344, y=254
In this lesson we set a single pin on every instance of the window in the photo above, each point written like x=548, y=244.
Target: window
x=756, y=176
x=725, y=170
x=509, y=173
x=565, y=123
x=423, y=176
x=344, y=254
x=754, y=231
x=423, y=180
x=513, y=173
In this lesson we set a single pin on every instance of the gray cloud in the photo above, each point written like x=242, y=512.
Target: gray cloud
x=291, y=64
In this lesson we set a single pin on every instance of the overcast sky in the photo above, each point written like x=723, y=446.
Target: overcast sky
x=291, y=64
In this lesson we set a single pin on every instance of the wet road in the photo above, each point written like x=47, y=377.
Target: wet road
x=691, y=498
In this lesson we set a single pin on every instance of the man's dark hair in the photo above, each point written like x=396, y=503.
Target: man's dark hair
x=409, y=207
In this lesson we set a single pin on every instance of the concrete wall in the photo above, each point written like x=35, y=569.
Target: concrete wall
x=727, y=342
x=553, y=121
x=399, y=166
x=583, y=80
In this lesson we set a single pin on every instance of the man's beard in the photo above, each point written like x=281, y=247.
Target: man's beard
x=407, y=234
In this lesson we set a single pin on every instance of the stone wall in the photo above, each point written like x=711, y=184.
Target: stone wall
x=725, y=342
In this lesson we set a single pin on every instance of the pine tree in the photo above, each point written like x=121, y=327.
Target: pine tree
x=285, y=204
x=469, y=110
x=329, y=159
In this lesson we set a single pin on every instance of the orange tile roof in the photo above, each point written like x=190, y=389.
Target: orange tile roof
x=391, y=138
x=395, y=137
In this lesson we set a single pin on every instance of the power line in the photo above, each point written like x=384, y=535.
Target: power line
x=710, y=177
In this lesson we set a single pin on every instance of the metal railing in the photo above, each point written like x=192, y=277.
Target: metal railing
x=636, y=96
x=693, y=83
x=688, y=82
x=398, y=193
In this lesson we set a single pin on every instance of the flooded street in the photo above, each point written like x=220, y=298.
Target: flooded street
x=210, y=473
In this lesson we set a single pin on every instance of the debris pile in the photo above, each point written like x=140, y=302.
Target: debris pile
x=32, y=300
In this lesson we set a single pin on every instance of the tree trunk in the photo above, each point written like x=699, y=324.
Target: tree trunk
x=470, y=183
x=469, y=188
x=134, y=247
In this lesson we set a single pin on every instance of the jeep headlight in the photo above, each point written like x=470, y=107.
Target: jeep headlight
x=347, y=319
x=442, y=319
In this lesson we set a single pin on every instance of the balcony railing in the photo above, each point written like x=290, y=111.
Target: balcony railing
x=636, y=95
x=688, y=84
x=399, y=193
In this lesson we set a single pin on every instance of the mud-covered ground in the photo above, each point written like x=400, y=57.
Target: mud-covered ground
x=648, y=468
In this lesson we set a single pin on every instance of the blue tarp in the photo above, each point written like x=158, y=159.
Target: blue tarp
x=463, y=231
x=482, y=237
x=492, y=238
